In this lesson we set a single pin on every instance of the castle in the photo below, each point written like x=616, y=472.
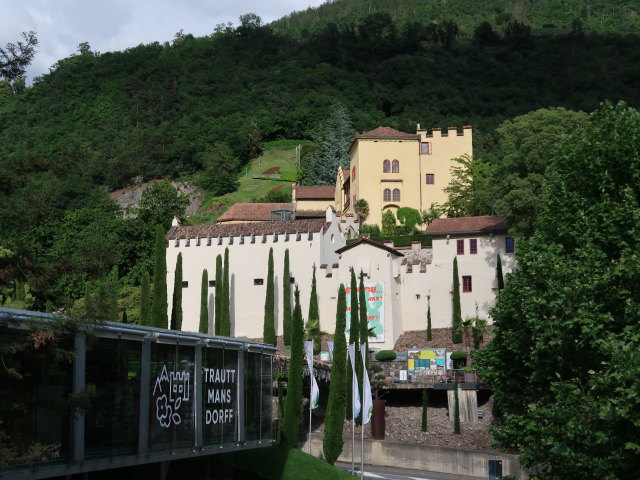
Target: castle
x=389, y=169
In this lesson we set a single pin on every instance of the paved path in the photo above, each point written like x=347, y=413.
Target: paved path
x=388, y=473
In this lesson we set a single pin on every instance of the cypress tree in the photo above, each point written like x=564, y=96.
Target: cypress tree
x=313, y=319
x=286, y=300
x=269, y=328
x=456, y=320
x=124, y=317
x=203, y=327
x=364, y=321
x=293, y=403
x=159, y=317
x=354, y=331
x=218, y=300
x=499, y=275
x=225, y=328
x=332, y=441
x=176, y=305
x=145, y=298
x=456, y=409
x=429, y=333
x=425, y=405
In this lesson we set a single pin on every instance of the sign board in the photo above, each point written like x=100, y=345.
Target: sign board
x=374, y=294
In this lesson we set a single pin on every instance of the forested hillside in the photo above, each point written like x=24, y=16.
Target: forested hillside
x=542, y=15
x=98, y=122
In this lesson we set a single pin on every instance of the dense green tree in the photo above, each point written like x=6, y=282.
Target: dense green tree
x=101, y=299
x=332, y=440
x=293, y=402
x=564, y=361
x=286, y=300
x=333, y=137
x=313, y=318
x=203, y=326
x=176, y=304
x=225, y=328
x=456, y=311
x=389, y=228
x=145, y=300
x=269, y=328
x=159, y=302
x=219, y=300
x=468, y=189
x=16, y=57
x=409, y=217
x=160, y=203
x=524, y=148
x=220, y=169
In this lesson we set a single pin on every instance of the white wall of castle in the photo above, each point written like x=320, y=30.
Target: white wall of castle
x=406, y=287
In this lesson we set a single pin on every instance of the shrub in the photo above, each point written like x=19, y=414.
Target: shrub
x=386, y=355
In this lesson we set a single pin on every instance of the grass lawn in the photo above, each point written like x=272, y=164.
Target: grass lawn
x=280, y=154
x=274, y=463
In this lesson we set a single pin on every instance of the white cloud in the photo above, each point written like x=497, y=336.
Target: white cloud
x=108, y=25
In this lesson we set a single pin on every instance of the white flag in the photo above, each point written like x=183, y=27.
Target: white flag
x=315, y=393
x=367, y=401
x=356, y=392
x=308, y=351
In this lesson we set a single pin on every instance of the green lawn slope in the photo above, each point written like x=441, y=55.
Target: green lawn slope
x=276, y=463
x=280, y=153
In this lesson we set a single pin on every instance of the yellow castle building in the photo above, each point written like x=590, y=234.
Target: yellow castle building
x=392, y=169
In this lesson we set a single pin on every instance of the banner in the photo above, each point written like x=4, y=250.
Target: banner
x=354, y=383
x=374, y=294
x=315, y=392
x=367, y=401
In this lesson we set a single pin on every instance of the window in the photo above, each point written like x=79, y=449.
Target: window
x=310, y=237
x=292, y=280
x=460, y=247
x=386, y=166
x=473, y=246
x=231, y=240
x=396, y=194
x=209, y=242
x=185, y=284
x=212, y=283
x=430, y=178
x=466, y=283
x=275, y=237
x=258, y=281
x=219, y=240
x=425, y=148
x=253, y=239
x=177, y=244
x=395, y=166
x=386, y=196
x=286, y=237
x=509, y=245
x=241, y=239
x=353, y=173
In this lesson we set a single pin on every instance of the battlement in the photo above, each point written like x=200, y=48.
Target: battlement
x=440, y=133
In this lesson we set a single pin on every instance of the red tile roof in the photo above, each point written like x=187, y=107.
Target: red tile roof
x=315, y=192
x=252, y=212
x=247, y=229
x=483, y=224
x=301, y=214
x=388, y=132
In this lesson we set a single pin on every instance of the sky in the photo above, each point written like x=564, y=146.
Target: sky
x=111, y=25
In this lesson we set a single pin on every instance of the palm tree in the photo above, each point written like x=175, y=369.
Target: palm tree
x=361, y=208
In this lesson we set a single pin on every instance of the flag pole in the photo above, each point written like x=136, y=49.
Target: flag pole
x=310, y=400
x=353, y=431
x=362, y=424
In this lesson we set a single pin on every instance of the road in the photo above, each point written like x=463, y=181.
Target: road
x=388, y=473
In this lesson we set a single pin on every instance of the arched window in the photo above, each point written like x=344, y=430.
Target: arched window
x=395, y=168
x=396, y=194
x=353, y=173
x=386, y=166
x=386, y=195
